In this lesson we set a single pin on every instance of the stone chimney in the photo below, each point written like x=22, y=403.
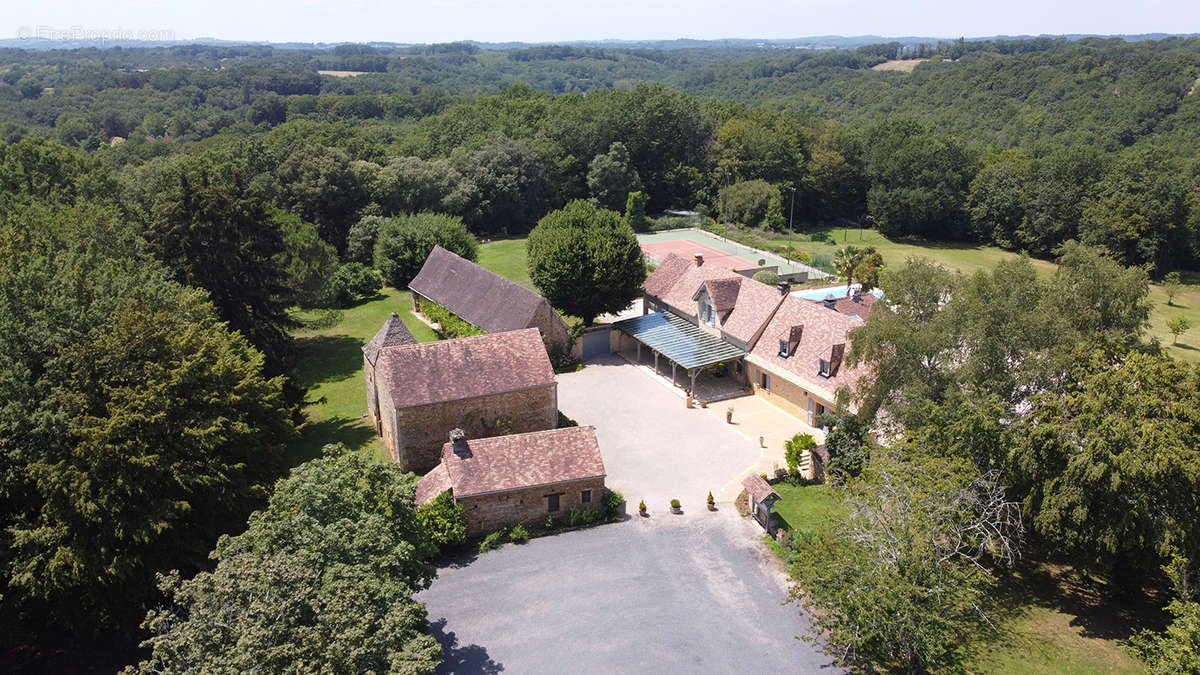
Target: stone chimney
x=458, y=440
x=784, y=287
x=699, y=257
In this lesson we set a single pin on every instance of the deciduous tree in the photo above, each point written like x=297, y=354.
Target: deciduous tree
x=404, y=243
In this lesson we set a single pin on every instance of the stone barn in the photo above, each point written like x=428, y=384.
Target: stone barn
x=521, y=478
x=488, y=385
x=483, y=298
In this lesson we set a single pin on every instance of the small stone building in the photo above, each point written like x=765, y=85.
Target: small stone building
x=762, y=498
x=488, y=385
x=483, y=298
x=393, y=334
x=520, y=478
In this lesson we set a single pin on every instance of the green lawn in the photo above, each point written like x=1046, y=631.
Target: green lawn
x=802, y=507
x=331, y=368
x=506, y=257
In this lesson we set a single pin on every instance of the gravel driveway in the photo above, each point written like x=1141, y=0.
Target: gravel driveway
x=654, y=447
x=696, y=593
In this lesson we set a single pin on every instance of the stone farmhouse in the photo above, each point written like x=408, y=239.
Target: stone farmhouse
x=483, y=298
x=487, y=385
x=787, y=349
x=519, y=478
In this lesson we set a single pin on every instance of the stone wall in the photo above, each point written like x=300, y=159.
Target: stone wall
x=554, y=330
x=529, y=507
x=423, y=430
x=791, y=397
x=372, y=395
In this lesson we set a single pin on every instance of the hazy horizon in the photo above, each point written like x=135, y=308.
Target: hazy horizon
x=546, y=21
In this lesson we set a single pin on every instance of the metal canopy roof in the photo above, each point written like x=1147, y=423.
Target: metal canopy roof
x=679, y=340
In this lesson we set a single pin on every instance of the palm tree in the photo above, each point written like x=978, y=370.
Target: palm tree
x=844, y=261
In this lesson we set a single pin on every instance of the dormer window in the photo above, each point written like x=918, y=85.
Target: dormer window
x=783, y=349
x=826, y=368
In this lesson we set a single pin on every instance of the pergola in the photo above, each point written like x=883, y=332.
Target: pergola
x=680, y=341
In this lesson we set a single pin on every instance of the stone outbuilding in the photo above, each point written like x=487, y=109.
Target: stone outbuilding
x=393, y=334
x=483, y=298
x=762, y=498
x=519, y=478
x=488, y=385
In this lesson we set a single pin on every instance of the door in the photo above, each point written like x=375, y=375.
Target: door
x=595, y=343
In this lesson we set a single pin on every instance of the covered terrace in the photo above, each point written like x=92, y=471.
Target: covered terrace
x=678, y=342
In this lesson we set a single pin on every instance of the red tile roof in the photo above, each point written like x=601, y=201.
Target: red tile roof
x=723, y=292
x=823, y=331
x=665, y=275
x=858, y=305
x=755, y=303
x=681, y=291
x=432, y=484
x=520, y=461
x=759, y=488
x=432, y=372
x=394, y=333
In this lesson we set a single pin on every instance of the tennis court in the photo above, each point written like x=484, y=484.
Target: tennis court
x=717, y=251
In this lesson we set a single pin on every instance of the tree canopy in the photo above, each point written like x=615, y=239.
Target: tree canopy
x=586, y=261
x=404, y=243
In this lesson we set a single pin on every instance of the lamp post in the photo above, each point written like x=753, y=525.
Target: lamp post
x=791, y=212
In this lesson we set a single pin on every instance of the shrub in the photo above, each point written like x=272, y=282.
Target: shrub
x=766, y=277
x=564, y=421
x=674, y=503
x=351, y=282
x=444, y=520
x=581, y=515
x=794, y=448
x=710, y=499
x=492, y=541
x=451, y=325
x=613, y=501
x=642, y=506
x=518, y=534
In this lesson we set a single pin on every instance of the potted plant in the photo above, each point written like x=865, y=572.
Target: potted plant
x=729, y=415
x=675, y=508
x=712, y=503
x=642, y=509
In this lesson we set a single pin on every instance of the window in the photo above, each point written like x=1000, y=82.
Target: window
x=825, y=368
x=585, y=497
x=764, y=381
x=552, y=503
x=783, y=349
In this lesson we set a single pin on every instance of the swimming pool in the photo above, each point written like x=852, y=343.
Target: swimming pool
x=838, y=291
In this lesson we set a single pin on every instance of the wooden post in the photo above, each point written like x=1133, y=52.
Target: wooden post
x=655, y=363
x=672, y=372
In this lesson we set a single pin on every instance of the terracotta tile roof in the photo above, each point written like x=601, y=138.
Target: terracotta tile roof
x=664, y=277
x=432, y=484
x=448, y=370
x=523, y=460
x=476, y=294
x=755, y=304
x=722, y=292
x=681, y=293
x=858, y=305
x=822, y=331
x=759, y=488
x=393, y=333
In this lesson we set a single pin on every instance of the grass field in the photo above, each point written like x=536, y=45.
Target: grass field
x=802, y=507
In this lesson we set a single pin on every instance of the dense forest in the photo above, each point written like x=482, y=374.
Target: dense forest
x=163, y=210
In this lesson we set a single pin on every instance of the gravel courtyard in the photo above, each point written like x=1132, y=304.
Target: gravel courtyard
x=696, y=593
x=654, y=447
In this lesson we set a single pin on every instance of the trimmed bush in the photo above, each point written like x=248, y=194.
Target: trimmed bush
x=613, y=501
x=492, y=541
x=766, y=277
x=674, y=503
x=518, y=534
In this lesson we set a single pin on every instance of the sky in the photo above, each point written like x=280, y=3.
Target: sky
x=427, y=21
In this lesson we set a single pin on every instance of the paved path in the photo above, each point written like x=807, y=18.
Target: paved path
x=654, y=447
x=755, y=418
x=696, y=593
